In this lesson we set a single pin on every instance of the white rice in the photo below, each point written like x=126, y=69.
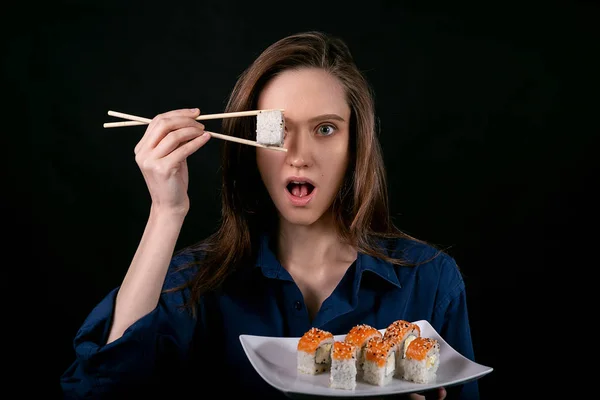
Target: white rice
x=270, y=128
x=343, y=374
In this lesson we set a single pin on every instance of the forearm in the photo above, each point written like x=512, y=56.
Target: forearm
x=142, y=285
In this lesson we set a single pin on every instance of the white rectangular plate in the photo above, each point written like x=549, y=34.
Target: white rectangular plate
x=274, y=359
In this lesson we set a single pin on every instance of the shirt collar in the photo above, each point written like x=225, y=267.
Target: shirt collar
x=267, y=261
x=379, y=267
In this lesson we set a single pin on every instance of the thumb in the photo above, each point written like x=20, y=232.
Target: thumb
x=435, y=394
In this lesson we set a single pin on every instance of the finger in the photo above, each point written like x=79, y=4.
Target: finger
x=175, y=139
x=165, y=125
x=436, y=394
x=442, y=393
x=187, y=149
x=170, y=119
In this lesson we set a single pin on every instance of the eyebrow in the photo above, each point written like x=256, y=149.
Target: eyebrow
x=326, y=116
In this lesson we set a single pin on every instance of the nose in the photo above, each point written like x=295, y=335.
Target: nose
x=299, y=151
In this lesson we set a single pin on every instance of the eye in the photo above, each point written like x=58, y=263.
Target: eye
x=326, y=130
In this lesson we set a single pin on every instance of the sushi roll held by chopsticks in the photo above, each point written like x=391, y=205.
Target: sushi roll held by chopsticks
x=270, y=126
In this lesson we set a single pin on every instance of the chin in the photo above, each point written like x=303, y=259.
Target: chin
x=302, y=217
x=302, y=220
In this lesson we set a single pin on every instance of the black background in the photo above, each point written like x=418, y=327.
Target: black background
x=487, y=114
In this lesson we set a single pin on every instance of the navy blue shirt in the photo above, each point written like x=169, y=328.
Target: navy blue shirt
x=169, y=353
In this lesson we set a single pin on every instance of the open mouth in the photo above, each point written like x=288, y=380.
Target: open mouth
x=300, y=188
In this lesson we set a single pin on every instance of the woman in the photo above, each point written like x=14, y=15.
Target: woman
x=305, y=240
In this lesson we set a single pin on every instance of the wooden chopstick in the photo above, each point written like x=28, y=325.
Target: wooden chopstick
x=134, y=120
x=145, y=121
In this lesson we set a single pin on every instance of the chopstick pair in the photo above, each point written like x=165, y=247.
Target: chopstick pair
x=133, y=120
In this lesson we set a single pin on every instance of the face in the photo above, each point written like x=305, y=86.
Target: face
x=304, y=181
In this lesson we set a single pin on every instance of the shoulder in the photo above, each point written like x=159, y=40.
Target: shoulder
x=430, y=264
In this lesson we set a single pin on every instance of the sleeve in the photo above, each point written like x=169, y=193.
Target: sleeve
x=162, y=336
x=451, y=320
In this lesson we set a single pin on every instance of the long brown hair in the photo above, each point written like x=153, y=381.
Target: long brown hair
x=361, y=208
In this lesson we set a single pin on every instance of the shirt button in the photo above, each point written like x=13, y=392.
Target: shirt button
x=298, y=305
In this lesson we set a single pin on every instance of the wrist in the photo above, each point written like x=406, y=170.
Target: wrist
x=167, y=215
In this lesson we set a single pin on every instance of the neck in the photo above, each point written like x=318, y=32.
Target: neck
x=314, y=246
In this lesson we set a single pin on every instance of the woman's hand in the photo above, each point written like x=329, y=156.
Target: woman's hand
x=162, y=154
x=434, y=394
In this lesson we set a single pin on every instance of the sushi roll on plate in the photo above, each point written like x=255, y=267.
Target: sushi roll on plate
x=380, y=361
x=360, y=335
x=343, y=366
x=422, y=360
x=314, y=351
x=402, y=333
